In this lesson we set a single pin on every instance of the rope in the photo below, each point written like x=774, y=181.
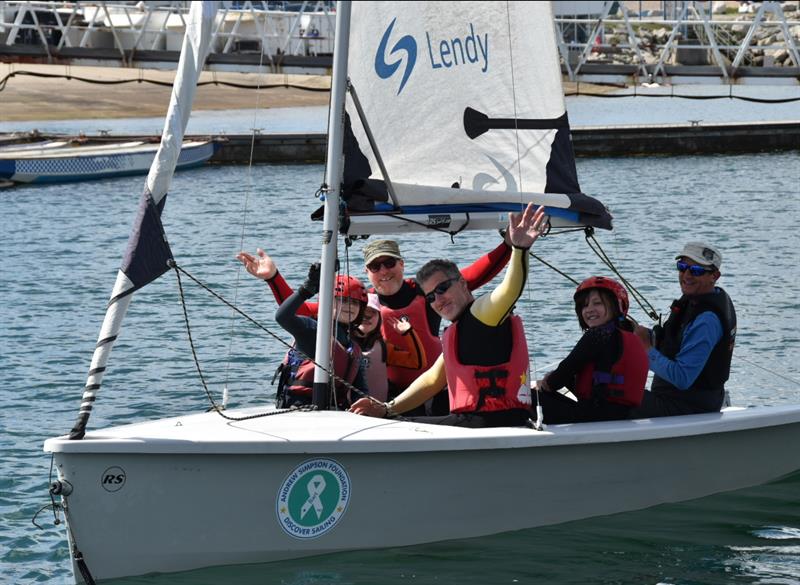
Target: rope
x=248, y=191
x=672, y=94
x=178, y=271
x=155, y=82
x=637, y=296
x=773, y=372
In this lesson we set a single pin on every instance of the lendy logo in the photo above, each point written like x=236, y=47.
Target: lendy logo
x=386, y=70
x=313, y=498
x=469, y=48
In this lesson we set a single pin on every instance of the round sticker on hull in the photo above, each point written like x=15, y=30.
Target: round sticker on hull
x=313, y=498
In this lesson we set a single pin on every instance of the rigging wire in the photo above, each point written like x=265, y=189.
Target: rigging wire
x=538, y=424
x=245, y=208
x=178, y=270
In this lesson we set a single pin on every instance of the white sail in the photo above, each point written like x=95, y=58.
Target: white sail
x=465, y=95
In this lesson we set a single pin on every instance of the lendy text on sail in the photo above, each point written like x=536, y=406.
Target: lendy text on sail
x=468, y=48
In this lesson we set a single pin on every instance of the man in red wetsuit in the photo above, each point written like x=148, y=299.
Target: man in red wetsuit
x=399, y=297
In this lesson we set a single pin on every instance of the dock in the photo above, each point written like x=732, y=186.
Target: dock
x=587, y=141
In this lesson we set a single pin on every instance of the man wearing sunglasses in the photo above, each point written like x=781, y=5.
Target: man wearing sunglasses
x=402, y=298
x=691, y=354
x=484, y=362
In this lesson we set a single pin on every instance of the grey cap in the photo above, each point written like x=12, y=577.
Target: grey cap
x=380, y=248
x=702, y=253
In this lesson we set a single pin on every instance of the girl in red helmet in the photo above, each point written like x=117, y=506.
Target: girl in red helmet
x=607, y=369
x=297, y=371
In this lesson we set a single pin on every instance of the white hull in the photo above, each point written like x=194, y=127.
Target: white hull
x=200, y=491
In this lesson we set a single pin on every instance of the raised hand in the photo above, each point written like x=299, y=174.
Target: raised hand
x=402, y=326
x=311, y=283
x=261, y=267
x=526, y=227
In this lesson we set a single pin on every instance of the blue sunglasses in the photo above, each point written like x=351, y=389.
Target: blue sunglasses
x=694, y=269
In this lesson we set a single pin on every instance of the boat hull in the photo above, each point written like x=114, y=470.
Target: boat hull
x=436, y=487
x=58, y=168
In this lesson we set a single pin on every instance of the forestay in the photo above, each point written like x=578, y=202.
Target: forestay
x=466, y=110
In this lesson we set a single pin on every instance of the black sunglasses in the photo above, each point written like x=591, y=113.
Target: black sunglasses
x=694, y=269
x=440, y=289
x=376, y=265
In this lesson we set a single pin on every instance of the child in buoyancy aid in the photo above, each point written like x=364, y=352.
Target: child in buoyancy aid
x=297, y=375
x=376, y=353
x=607, y=369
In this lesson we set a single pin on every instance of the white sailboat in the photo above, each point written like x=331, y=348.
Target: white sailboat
x=307, y=483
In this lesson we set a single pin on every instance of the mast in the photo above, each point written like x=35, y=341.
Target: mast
x=333, y=181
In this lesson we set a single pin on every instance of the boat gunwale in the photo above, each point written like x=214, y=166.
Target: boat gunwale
x=251, y=438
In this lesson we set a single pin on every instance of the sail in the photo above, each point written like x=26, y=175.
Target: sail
x=461, y=104
x=148, y=253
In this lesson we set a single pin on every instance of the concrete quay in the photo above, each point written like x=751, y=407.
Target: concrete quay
x=587, y=141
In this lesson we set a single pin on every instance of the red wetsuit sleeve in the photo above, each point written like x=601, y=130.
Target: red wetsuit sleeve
x=487, y=266
x=282, y=291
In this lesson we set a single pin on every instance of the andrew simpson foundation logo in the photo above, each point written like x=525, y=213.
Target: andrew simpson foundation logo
x=313, y=498
x=406, y=44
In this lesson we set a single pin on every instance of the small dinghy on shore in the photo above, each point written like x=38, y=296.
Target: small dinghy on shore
x=64, y=161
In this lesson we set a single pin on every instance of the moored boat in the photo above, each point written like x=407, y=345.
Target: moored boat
x=61, y=161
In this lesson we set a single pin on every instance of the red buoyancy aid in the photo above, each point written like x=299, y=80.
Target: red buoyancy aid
x=488, y=388
x=625, y=383
x=417, y=315
x=345, y=366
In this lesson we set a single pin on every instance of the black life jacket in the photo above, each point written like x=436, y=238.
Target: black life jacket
x=707, y=392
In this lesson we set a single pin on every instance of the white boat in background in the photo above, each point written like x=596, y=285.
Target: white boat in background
x=63, y=161
x=300, y=483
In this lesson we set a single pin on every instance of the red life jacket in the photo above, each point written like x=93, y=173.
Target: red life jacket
x=418, y=317
x=625, y=383
x=345, y=365
x=488, y=388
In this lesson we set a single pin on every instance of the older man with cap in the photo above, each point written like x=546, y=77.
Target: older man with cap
x=691, y=354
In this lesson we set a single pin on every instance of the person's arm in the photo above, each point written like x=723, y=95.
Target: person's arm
x=487, y=266
x=584, y=352
x=282, y=291
x=426, y=386
x=303, y=329
x=523, y=230
x=699, y=340
x=262, y=266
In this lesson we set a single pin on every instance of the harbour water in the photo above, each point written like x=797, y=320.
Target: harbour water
x=62, y=245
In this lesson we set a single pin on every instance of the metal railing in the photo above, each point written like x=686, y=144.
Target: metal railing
x=602, y=47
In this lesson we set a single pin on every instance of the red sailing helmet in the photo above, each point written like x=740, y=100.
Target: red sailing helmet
x=350, y=287
x=608, y=284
